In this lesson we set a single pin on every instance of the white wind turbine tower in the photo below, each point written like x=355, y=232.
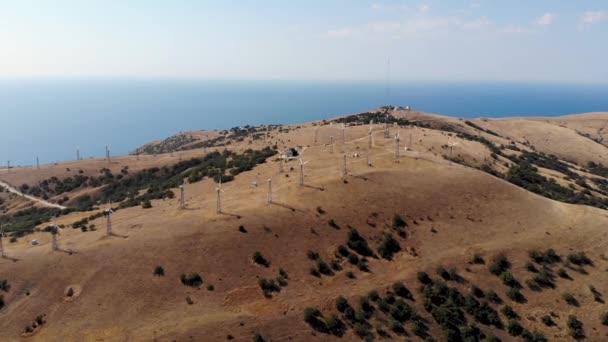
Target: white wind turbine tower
x=302, y=171
x=451, y=146
x=397, y=139
x=54, y=232
x=107, y=153
x=77, y=153
x=108, y=214
x=219, y=190
x=269, y=198
x=1, y=245
x=181, y=195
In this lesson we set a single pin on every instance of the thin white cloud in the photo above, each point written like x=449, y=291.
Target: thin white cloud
x=590, y=18
x=517, y=29
x=545, y=19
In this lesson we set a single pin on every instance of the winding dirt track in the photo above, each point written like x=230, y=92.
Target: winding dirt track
x=31, y=198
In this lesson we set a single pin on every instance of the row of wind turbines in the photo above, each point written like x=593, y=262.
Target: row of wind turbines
x=55, y=230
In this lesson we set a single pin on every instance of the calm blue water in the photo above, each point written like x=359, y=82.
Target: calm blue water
x=50, y=118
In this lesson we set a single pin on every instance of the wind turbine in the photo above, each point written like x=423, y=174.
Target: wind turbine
x=397, y=139
x=331, y=142
x=77, y=153
x=54, y=232
x=219, y=191
x=108, y=214
x=269, y=198
x=451, y=146
x=181, y=195
x=37, y=162
x=107, y=153
x=1, y=245
x=302, y=171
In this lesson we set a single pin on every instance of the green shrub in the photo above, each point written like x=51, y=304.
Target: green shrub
x=373, y=295
x=547, y=320
x=388, y=246
x=342, y=304
x=4, y=285
x=514, y=328
x=402, y=291
x=335, y=326
x=146, y=204
x=493, y=297
x=569, y=298
x=515, y=295
x=259, y=259
x=579, y=259
x=499, y=265
x=358, y=244
x=268, y=286
x=477, y=259
x=312, y=255
x=604, y=318
x=312, y=317
x=509, y=280
x=192, y=280
x=575, y=328
x=533, y=336
x=509, y=312
x=424, y=278
x=323, y=267
x=159, y=271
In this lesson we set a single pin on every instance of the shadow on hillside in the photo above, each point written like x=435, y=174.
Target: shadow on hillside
x=313, y=187
x=230, y=214
x=9, y=258
x=285, y=206
x=67, y=251
x=118, y=235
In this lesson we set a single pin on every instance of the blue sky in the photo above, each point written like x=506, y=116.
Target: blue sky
x=514, y=40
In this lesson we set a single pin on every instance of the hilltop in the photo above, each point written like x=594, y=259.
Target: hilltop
x=474, y=228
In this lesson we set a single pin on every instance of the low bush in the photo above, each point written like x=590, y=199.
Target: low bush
x=312, y=317
x=259, y=259
x=499, y=265
x=388, y=246
x=575, y=328
x=579, y=259
x=570, y=299
x=358, y=243
x=192, y=279
x=509, y=312
x=159, y=271
x=514, y=328
x=268, y=286
x=402, y=291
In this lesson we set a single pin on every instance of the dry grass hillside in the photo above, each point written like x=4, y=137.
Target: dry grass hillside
x=497, y=240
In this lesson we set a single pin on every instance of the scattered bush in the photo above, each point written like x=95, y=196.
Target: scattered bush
x=342, y=304
x=493, y=297
x=258, y=338
x=159, y=271
x=192, y=280
x=373, y=295
x=312, y=316
x=509, y=312
x=563, y=273
x=575, y=328
x=509, y=280
x=312, y=255
x=259, y=259
x=515, y=295
x=569, y=298
x=358, y=244
x=549, y=257
x=514, y=328
x=242, y=229
x=500, y=264
x=580, y=259
x=547, y=320
x=268, y=286
x=533, y=337
x=350, y=275
x=335, y=326
x=424, y=278
x=477, y=259
x=604, y=318
x=388, y=246
x=333, y=224
x=320, y=210
x=323, y=267
x=4, y=285
x=402, y=291
x=531, y=268
x=146, y=204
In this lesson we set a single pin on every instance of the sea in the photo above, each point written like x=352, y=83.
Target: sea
x=50, y=119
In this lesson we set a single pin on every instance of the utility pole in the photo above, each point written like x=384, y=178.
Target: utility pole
x=269, y=198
